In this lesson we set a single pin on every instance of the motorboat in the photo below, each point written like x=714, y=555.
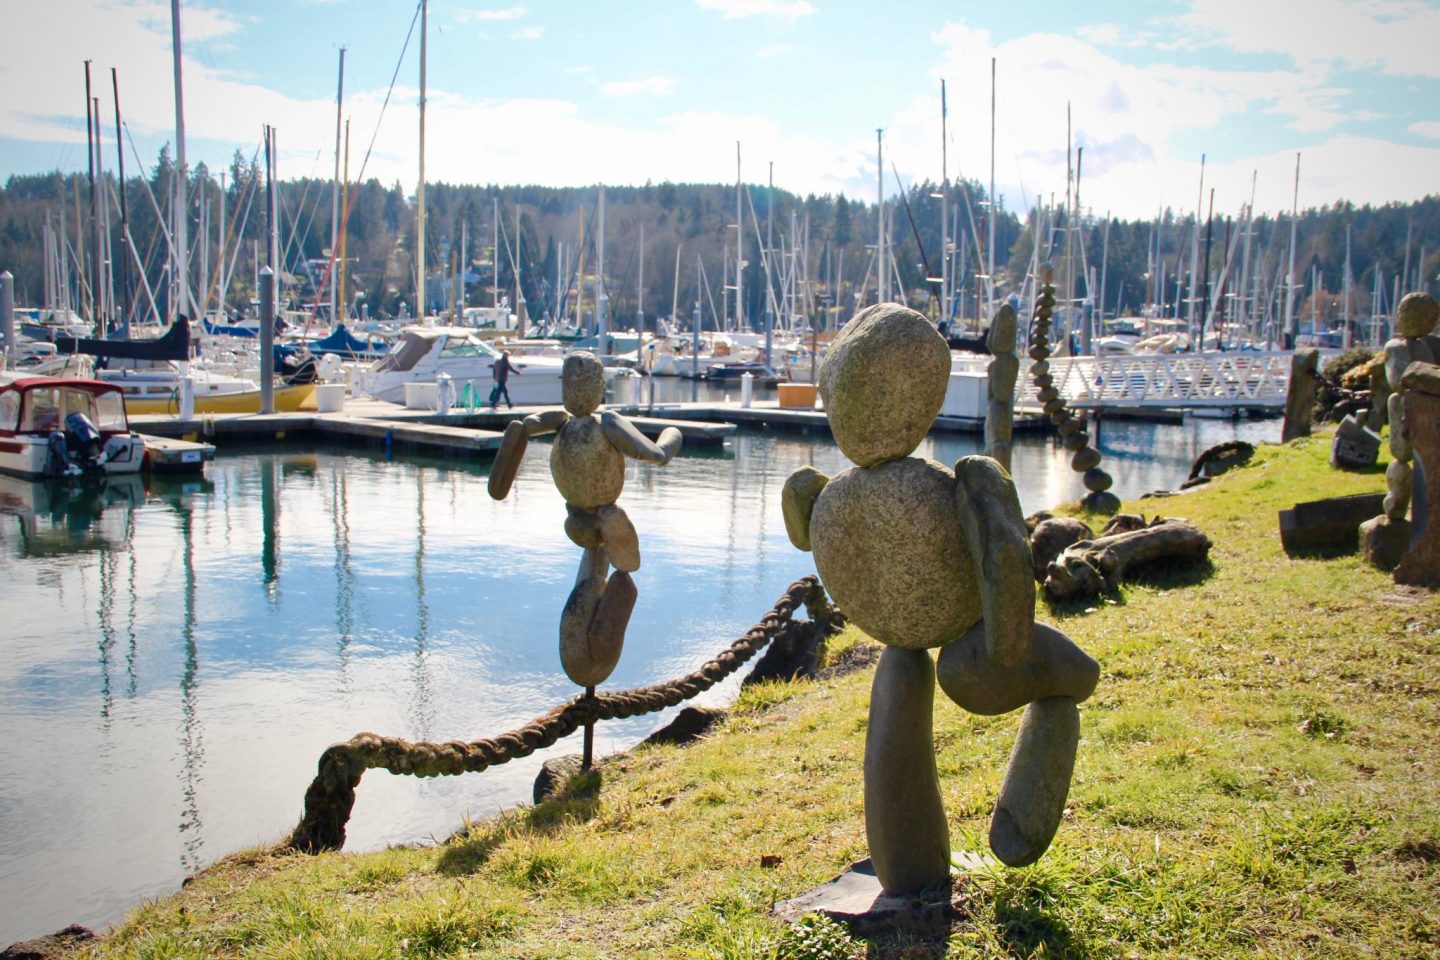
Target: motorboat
x=423, y=353
x=65, y=427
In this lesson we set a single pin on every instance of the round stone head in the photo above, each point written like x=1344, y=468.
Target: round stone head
x=582, y=384
x=883, y=382
x=1417, y=315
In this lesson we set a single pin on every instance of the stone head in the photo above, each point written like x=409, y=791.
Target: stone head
x=1417, y=315
x=883, y=382
x=1001, y=338
x=582, y=384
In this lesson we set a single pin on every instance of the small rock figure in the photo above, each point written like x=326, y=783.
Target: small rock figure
x=1000, y=386
x=1384, y=539
x=920, y=557
x=587, y=462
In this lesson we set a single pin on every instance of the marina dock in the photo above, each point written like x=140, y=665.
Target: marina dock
x=469, y=434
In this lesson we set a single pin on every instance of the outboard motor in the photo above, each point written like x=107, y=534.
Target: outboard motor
x=86, y=447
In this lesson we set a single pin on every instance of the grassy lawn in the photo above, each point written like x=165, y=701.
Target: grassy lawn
x=1257, y=776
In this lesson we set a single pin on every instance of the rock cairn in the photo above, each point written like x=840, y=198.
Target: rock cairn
x=1385, y=538
x=1000, y=380
x=1085, y=459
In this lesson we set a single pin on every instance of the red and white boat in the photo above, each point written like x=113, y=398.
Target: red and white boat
x=65, y=427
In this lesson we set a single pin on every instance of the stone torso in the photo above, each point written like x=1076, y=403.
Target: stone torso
x=588, y=471
x=890, y=549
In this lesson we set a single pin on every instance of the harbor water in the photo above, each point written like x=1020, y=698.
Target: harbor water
x=178, y=652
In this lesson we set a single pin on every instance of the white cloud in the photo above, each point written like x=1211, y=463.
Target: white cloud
x=1397, y=36
x=1129, y=118
x=508, y=13
x=655, y=86
x=774, y=50
x=1427, y=128
x=528, y=33
x=737, y=9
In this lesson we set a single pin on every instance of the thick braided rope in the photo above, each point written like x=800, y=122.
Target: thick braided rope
x=331, y=795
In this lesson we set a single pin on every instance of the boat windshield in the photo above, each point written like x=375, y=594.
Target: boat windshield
x=9, y=409
x=468, y=347
x=109, y=412
x=42, y=410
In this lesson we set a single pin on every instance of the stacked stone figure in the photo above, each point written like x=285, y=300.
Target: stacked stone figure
x=587, y=462
x=1000, y=386
x=1385, y=538
x=922, y=557
x=1085, y=459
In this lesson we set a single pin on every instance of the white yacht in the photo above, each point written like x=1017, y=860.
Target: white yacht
x=423, y=353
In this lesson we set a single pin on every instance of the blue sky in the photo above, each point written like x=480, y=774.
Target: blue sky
x=578, y=93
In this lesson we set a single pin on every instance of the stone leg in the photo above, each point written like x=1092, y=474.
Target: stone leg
x=592, y=625
x=1032, y=798
x=618, y=535
x=904, y=817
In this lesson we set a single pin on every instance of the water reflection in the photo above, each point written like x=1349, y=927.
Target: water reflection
x=441, y=626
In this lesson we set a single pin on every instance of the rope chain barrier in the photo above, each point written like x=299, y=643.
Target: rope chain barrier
x=331, y=795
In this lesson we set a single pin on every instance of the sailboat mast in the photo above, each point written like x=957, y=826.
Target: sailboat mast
x=1195, y=259
x=994, y=206
x=602, y=298
x=882, y=264
x=739, y=248
x=519, y=301
x=1290, y=271
x=335, y=192
x=182, y=247
x=944, y=209
x=420, y=188
x=640, y=286
x=93, y=264
x=495, y=258
x=1345, y=300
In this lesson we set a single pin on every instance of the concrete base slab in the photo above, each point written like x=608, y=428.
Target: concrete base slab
x=855, y=899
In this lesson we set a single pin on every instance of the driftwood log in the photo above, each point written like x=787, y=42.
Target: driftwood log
x=1091, y=566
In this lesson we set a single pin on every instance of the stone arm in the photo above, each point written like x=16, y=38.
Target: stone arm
x=625, y=437
x=797, y=502
x=999, y=545
x=512, y=448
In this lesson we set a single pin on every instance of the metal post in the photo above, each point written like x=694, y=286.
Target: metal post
x=7, y=317
x=695, y=351
x=587, y=752
x=267, y=340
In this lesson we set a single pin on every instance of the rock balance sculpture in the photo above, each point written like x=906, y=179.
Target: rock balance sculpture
x=587, y=462
x=1385, y=538
x=921, y=557
x=1000, y=379
x=1086, y=459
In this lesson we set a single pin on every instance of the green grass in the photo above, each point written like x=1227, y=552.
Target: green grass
x=1257, y=777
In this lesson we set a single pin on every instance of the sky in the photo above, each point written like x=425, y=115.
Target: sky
x=624, y=91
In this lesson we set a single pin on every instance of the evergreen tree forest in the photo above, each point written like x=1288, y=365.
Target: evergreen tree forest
x=823, y=263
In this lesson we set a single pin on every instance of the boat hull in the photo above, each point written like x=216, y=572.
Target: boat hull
x=287, y=400
x=28, y=456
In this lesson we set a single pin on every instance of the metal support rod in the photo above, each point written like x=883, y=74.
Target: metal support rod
x=587, y=751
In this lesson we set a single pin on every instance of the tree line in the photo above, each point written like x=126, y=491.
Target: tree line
x=822, y=264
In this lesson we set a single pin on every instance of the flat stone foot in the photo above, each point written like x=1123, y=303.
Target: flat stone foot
x=1032, y=798
x=1383, y=541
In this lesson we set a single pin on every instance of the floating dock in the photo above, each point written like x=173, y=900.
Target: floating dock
x=172, y=455
x=471, y=434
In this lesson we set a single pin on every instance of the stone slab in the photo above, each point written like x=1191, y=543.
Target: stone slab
x=1332, y=524
x=855, y=899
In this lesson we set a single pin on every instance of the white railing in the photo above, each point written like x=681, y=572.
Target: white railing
x=1179, y=380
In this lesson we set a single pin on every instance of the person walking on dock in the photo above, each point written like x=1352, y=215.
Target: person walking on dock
x=501, y=370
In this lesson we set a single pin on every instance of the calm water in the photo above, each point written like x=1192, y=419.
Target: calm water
x=177, y=654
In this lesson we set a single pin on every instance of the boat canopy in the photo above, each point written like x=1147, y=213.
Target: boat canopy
x=415, y=344
x=41, y=404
